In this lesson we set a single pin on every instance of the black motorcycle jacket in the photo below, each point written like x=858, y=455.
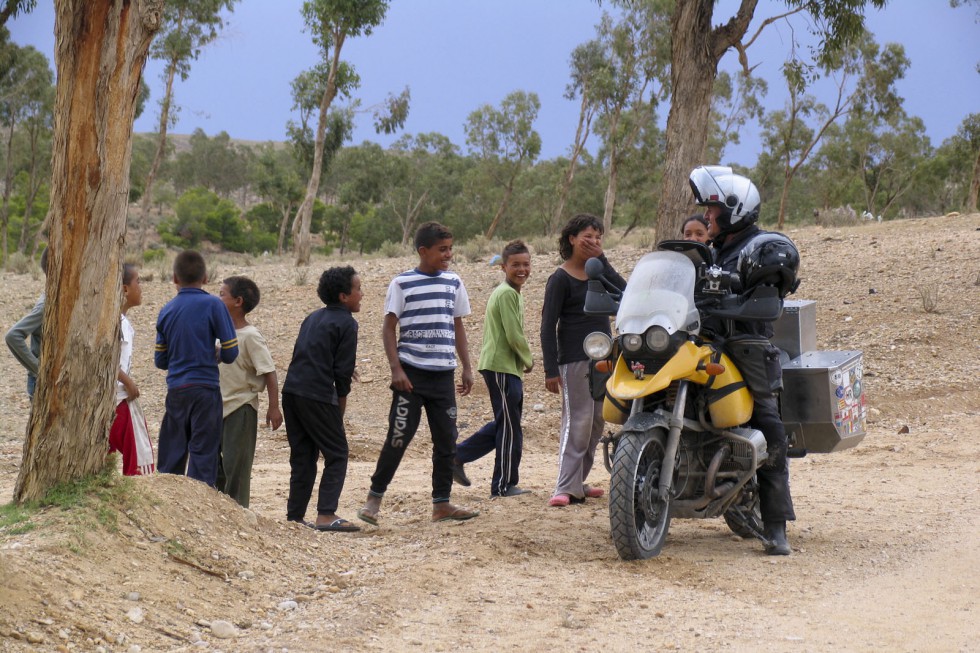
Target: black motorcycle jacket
x=726, y=257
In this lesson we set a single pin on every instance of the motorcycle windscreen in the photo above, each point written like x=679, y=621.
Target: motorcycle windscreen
x=660, y=292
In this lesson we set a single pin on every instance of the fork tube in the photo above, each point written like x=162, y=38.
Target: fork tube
x=673, y=440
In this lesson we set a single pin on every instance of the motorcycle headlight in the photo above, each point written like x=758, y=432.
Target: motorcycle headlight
x=597, y=345
x=657, y=338
x=632, y=342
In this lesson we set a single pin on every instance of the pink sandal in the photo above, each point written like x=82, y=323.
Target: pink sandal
x=559, y=501
x=594, y=492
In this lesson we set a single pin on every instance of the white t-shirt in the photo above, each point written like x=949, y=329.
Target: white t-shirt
x=126, y=334
x=426, y=306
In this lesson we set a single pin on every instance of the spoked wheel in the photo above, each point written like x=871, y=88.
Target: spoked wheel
x=638, y=518
x=745, y=517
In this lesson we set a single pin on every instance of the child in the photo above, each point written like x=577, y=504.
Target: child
x=427, y=306
x=188, y=325
x=504, y=359
x=564, y=326
x=695, y=227
x=29, y=328
x=241, y=383
x=314, y=397
x=128, y=434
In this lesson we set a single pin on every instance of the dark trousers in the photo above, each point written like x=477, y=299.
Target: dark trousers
x=190, y=434
x=774, y=495
x=238, y=435
x=436, y=393
x=314, y=428
x=503, y=435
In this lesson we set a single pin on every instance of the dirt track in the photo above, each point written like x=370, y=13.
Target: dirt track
x=885, y=546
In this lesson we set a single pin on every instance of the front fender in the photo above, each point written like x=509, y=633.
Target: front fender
x=624, y=385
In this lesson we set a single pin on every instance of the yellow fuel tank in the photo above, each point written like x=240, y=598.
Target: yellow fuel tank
x=729, y=400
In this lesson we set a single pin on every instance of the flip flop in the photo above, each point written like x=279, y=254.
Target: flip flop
x=559, y=501
x=458, y=514
x=594, y=492
x=366, y=516
x=302, y=522
x=339, y=525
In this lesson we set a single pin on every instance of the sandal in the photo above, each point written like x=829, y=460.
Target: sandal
x=559, y=501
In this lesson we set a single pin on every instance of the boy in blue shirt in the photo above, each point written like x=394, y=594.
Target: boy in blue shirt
x=187, y=327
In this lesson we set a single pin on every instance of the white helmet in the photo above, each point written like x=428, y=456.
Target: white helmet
x=736, y=195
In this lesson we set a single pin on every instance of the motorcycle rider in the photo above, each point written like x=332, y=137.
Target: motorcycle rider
x=731, y=206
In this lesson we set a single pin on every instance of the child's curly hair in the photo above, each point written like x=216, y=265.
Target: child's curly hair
x=335, y=281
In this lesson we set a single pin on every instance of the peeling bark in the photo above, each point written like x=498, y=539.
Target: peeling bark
x=100, y=50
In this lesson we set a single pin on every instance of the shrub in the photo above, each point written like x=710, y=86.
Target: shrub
x=19, y=263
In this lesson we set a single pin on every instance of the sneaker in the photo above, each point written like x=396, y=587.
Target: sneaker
x=512, y=491
x=459, y=474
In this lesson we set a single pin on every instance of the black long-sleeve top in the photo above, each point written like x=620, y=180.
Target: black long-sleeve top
x=323, y=356
x=564, y=323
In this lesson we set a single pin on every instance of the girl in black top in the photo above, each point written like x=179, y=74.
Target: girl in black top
x=564, y=326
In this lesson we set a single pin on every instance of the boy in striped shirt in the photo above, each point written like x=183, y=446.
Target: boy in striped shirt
x=423, y=333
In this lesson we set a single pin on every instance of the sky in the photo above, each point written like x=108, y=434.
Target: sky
x=458, y=55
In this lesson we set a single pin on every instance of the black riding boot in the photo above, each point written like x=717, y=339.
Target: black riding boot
x=778, y=545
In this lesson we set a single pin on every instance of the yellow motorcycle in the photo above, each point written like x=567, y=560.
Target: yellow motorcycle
x=683, y=449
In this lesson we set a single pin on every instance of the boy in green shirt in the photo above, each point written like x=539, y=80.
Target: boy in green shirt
x=504, y=359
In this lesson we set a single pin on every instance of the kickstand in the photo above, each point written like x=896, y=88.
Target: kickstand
x=738, y=515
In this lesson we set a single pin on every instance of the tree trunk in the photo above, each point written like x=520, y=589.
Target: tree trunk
x=168, y=96
x=610, y=198
x=101, y=48
x=282, y=229
x=33, y=186
x=971, y=200
x=696, y=50
x=8, y=182
x=581, y=135
x=303, y=243
x=508, y=192
x=157, y=158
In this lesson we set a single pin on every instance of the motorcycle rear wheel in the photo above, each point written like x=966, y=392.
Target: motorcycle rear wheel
x=638, y=518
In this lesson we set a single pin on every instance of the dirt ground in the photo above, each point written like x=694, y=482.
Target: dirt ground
x=885, y=547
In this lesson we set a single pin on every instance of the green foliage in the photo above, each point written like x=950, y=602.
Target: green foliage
x=153, y=255
x=15, y=519
x=188, y=26
x=90, y=502
x=214, y=163
x=200, y=215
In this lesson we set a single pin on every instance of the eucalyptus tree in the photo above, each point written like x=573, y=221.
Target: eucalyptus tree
x=214, y=163
x=12, y=8
x=630, y=83
x=276, y=178
x=863, y=77
x=425, y=180
x=505, y=140
x=25, y=80
x=36, y=136
x=736, y=100
x=698, y=43
x=587, y=64
x=968, y=137
x=188, y=26
x=101, y=47
x=331, y=23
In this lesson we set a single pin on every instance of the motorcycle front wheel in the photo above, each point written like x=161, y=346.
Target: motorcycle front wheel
x=638, y=518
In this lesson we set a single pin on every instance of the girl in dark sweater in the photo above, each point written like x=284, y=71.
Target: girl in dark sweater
x=564, y=326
